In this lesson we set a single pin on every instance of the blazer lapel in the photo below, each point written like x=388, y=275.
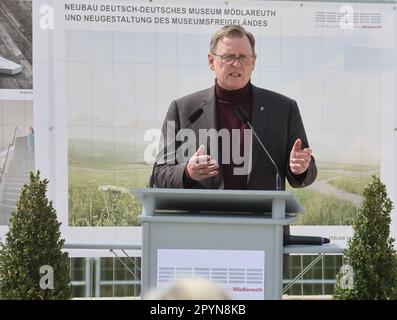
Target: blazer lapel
x=259, y=118
x=209, y=120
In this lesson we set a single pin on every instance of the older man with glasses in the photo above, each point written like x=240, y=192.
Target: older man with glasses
x=281, y=146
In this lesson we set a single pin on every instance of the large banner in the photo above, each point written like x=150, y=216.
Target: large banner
x=106, y=71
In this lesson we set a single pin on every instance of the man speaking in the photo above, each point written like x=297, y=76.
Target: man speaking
x=276, y=148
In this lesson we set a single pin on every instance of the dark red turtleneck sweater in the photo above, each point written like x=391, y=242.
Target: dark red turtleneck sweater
x=227, y=119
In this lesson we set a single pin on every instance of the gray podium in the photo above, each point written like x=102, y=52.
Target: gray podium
x=216, y=220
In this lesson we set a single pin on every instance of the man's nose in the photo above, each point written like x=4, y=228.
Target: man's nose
x=236, y=61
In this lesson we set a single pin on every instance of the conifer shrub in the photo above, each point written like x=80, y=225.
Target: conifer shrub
x=32, y=264
x=370, y=270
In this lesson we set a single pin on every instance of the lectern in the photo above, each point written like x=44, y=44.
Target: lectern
x=232, y=237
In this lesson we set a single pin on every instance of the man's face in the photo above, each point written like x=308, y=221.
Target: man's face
x=236, y=75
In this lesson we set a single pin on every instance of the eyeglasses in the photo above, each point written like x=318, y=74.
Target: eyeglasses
x=230, y=58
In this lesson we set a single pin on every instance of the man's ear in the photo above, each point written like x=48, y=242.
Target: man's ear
x=211, y=61
x=253, y=63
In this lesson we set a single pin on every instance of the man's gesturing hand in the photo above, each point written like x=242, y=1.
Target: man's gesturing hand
x=299, y=160
x=202, y=166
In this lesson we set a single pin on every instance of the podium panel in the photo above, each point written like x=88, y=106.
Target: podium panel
x=240, y=248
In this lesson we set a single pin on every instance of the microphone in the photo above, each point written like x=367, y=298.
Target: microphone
x=193, y=117
x=190, y=120
x=245, y=119
x=306, y=240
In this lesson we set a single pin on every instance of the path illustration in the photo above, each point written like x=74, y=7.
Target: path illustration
x=323, y=186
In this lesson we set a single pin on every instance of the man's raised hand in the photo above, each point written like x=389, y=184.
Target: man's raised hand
x=202, y=166
x=299, y=159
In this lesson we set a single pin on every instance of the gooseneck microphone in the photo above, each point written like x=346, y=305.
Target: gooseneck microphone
x=193, y=117
x=245, y=119
x=190, y=120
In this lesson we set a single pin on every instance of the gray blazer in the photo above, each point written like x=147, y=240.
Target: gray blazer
x=276, y=120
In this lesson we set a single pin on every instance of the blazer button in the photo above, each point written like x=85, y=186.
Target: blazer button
x=262, y=108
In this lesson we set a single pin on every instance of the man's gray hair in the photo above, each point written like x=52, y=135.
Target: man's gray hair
x=231, y=31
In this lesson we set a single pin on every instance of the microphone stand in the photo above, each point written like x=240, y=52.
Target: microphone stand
x=278, y=178
x=245, y=119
